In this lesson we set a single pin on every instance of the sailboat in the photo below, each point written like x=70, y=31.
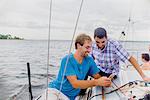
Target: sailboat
x=123, y=88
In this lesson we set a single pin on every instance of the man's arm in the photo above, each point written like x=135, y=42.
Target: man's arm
x=96, y=76
x=137, y=67
x=83, y=84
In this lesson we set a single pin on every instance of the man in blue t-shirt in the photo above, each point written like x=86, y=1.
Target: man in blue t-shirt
x=75, y=67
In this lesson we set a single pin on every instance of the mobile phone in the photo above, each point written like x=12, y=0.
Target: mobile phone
x=111, y=76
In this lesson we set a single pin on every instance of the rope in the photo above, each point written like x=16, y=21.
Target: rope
x=76, y=24
x=117, y=87
x=129, y=83
x=48, y=45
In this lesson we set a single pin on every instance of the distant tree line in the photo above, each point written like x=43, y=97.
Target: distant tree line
x=8, y=36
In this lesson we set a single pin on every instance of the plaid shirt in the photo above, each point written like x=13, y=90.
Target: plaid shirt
x=107, y=59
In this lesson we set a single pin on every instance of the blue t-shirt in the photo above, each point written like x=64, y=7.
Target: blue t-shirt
x=73, y=68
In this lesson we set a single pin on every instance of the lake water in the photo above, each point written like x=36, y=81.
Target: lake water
x=14, y=54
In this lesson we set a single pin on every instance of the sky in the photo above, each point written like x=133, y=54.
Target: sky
x=29, y=19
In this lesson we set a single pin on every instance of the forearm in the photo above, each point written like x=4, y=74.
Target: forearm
x=136, y=66
x=83, y=84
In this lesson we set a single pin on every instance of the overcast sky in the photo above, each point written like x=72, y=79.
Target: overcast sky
x=29, y=18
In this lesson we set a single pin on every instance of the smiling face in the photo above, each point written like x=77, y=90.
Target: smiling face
x=101, y=43
x=83, y=45
x=85, y=49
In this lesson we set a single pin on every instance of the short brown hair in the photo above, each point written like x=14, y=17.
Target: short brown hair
x=81, y=39
x=100, y=33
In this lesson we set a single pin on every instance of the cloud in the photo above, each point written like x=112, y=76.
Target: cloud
x=30, y=18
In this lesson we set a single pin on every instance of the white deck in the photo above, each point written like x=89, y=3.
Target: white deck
x=124, y=77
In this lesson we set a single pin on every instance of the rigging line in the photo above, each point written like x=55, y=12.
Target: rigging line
x=129, y=18
x=48, y=44
x=76, y=24
x=129, y=83
x=126, y=27
x=132, y=30
x=130, y=10
x=118, y=87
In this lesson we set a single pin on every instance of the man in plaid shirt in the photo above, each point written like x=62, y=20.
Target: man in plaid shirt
x=107, y=53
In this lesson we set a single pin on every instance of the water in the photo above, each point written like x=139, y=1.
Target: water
x=14, y=54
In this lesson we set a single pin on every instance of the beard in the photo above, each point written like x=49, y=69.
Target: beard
x=102, y=47
x=86, y=54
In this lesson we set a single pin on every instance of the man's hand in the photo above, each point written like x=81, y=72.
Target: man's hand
x=103, y=81
x=111, y=76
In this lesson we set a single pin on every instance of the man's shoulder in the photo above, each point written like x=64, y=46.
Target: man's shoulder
x=68, y=55
x=113, y=42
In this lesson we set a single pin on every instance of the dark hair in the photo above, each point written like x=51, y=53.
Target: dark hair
x=145, y=56
x=81, y=39
x=100, y=33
